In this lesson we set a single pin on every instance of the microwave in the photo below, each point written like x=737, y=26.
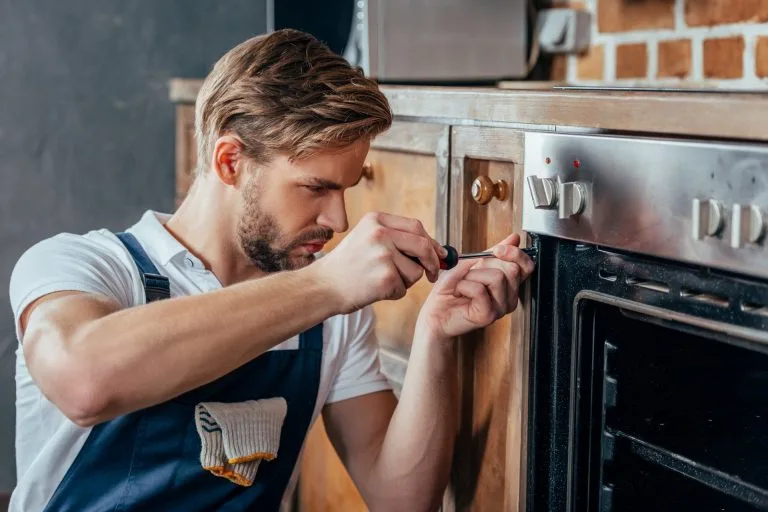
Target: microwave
x=439, y=40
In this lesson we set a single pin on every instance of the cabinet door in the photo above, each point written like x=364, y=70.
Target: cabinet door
x=405, y=174
x=485, y=207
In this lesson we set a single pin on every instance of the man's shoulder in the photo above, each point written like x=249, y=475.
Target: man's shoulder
x=99, y=244
x=91, y=261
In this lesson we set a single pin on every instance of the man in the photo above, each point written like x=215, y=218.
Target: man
x=178, y=365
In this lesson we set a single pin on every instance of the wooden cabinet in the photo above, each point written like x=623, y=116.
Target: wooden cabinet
x=411, y=169
x=485, y=207
x=406, y=174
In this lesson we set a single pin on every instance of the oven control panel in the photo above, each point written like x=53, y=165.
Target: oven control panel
x=687, y=200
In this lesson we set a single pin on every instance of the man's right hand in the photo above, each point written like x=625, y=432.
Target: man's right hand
x=371, y=263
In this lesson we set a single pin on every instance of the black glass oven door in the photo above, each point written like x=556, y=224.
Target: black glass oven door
x=649, y=386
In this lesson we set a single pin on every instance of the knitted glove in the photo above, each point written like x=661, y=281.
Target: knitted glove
x=236, y=437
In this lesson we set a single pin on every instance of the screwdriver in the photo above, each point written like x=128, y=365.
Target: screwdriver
x=453, y=257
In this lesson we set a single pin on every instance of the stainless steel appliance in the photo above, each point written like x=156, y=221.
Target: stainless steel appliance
x=439, y=40
x=649, y=349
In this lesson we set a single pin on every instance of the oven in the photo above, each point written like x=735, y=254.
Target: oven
x=648, y=365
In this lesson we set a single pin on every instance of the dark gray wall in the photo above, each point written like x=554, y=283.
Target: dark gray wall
x=86, y=127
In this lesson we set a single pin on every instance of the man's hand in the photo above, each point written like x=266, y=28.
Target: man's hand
x=370, y=264
x=476, y=292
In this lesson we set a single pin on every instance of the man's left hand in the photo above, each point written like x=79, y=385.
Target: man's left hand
x=476, y=292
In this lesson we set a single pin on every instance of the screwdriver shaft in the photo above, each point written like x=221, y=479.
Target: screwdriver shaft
x=453, y=256
x=468, y=255
x=530, y=251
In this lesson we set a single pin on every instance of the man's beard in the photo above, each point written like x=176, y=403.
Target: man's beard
x=264, y=244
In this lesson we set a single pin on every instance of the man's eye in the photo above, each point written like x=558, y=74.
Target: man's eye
x=315, y=189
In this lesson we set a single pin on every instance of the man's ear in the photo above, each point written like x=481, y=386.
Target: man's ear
x=228, y=161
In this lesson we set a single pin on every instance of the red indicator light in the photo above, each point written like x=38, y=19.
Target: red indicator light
x=576, y=164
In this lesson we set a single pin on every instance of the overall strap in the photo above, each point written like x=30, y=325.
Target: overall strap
x=312, y=338
x=156, y=286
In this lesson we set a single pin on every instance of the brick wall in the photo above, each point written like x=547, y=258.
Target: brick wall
x=720, y=43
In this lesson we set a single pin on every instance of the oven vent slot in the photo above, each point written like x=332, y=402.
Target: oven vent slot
x=607, y=275
x=754, y=309
x=707, y=298
x=648, y=284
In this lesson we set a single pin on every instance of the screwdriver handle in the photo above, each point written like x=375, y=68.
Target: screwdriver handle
x=451, y=260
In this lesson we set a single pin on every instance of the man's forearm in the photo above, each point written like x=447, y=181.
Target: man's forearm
x=413, y=466
x=140, y=356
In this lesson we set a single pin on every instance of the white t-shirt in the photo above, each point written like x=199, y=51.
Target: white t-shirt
x=46, y=441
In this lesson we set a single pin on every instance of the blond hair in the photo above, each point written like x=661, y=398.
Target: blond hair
x=286, y=92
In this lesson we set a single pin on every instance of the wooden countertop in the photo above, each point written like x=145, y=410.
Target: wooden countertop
x=699, y=114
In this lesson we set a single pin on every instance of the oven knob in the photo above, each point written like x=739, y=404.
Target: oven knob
x=748, y=225
x=543, y=192
x=573, y=199
x=708, y=216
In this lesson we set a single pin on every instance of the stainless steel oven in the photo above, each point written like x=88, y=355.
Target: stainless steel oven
x=649, y=350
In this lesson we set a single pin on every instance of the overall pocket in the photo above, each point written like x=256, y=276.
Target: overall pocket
x=237, y=437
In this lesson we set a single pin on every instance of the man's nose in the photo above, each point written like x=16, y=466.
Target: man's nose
x=335, y=215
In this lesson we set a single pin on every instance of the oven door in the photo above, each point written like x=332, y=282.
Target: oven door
x=649, y=385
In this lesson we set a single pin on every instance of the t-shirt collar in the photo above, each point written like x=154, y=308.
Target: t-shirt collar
x=157, y=240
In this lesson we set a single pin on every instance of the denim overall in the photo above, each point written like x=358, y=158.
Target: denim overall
x=150, y=459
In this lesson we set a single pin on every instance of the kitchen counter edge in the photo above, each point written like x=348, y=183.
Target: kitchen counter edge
x=720, y=115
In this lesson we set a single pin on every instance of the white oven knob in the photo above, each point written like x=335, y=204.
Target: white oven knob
x=707, y=219
x=748, y=225
x=543, y=192
x=573, y=199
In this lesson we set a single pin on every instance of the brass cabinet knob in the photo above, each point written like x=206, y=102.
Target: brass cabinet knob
x=367, y=171
x=483, y=190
